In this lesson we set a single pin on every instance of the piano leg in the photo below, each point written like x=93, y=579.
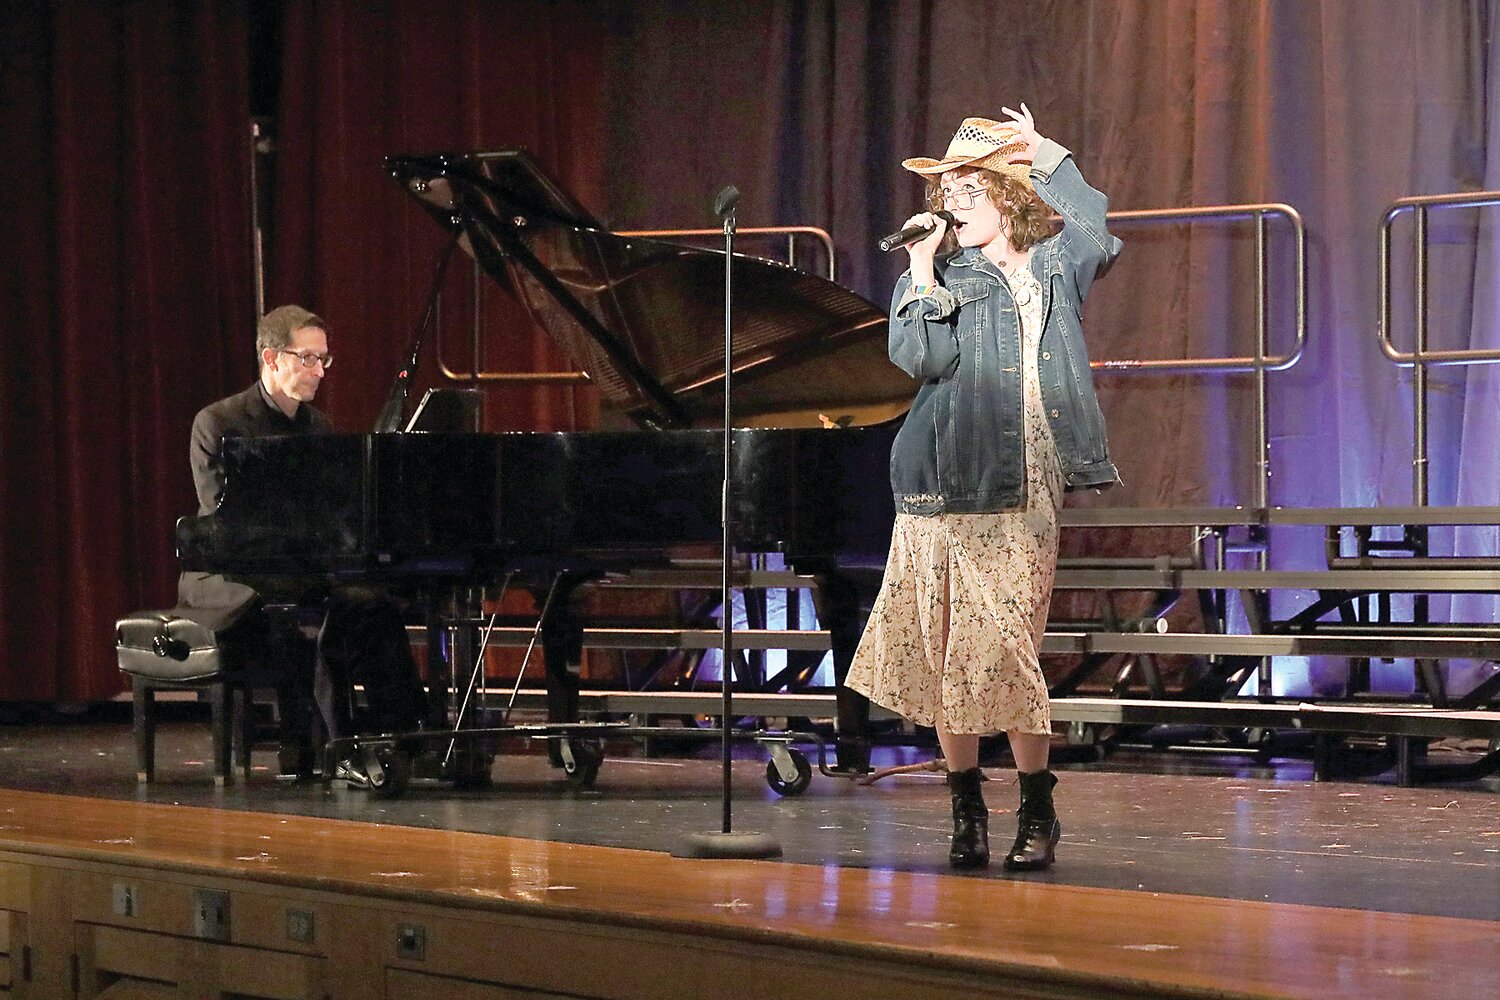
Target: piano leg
x=456, y=697
x=456, y=647
x=837, y=602
x=441, y=664
x=562, y=649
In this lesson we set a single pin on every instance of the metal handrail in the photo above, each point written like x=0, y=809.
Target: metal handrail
x=479, y=374
x=1420, y=356
x=1419, y=359
x=1258, y=212
x=790, y=232
x=1261, y=360
x=1259, y=363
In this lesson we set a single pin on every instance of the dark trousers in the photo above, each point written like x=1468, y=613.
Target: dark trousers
x=363, y=641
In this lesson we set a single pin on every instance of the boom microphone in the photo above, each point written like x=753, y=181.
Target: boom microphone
x=913, y=233
x=725, y=200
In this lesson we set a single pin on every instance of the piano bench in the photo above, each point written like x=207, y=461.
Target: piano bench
x=186, y=649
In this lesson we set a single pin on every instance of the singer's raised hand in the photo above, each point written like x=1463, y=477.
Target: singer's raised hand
x=1025, y=127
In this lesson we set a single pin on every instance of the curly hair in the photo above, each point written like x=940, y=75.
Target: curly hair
x=1026, y=218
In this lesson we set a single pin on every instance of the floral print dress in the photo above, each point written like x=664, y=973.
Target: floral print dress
x=975, y=667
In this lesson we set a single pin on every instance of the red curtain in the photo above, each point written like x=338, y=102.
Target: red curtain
x=125, y=192
x=128, y=289
x=363, y=81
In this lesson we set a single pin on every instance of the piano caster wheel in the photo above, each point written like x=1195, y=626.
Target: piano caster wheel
x=471, y=769
x=581, y=760
x=390, y=779
x=780, y=785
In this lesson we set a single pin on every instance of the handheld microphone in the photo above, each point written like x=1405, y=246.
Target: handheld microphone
x=913, y=233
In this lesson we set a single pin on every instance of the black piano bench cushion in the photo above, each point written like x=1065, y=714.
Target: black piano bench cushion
x=178, y=645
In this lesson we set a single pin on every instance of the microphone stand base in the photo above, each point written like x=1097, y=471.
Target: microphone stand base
x=751, y=846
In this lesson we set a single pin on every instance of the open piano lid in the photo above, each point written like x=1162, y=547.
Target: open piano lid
x=645, y=318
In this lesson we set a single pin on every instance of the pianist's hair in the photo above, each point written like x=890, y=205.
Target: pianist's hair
x=283, y=322
x=1025, y=215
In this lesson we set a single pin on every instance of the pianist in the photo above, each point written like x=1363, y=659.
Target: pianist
x=362, y=638
x=1005, y=421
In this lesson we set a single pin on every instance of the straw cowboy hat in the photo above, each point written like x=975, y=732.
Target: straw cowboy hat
x=980, y=142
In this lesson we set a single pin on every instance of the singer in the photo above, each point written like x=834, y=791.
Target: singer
x=1006, y=420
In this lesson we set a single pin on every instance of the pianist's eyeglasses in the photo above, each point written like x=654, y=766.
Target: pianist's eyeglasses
x=963, y=198
x=308, y=358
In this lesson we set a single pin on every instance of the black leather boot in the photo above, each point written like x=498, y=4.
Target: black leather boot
x=971, y=820
x=1038, y=830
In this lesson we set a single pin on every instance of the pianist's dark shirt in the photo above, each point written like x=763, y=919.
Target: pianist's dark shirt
x=245, y=414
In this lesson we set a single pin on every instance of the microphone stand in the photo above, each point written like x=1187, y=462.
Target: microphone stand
x=726, y=843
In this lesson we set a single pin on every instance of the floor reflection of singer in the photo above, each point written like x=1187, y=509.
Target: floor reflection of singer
x=1006, y=420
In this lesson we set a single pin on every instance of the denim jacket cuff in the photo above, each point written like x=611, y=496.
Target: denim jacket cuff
x=938, y=303
x=1049, y=156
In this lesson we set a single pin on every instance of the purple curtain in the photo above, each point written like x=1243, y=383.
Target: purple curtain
x=1336, y=108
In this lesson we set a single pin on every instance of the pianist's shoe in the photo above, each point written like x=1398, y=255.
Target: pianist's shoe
x=352, y=772
x=295, y=761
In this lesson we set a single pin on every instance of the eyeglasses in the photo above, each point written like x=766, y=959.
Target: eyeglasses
x=309, y=358
x=963, y=198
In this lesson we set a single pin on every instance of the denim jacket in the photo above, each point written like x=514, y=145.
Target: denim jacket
x=960, y=448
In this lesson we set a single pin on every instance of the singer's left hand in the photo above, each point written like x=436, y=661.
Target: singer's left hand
x=1025, y=127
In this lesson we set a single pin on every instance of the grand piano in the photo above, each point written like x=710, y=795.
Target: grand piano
x=816, y=405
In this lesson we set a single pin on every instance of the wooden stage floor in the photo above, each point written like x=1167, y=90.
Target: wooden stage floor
x=1226, y=882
